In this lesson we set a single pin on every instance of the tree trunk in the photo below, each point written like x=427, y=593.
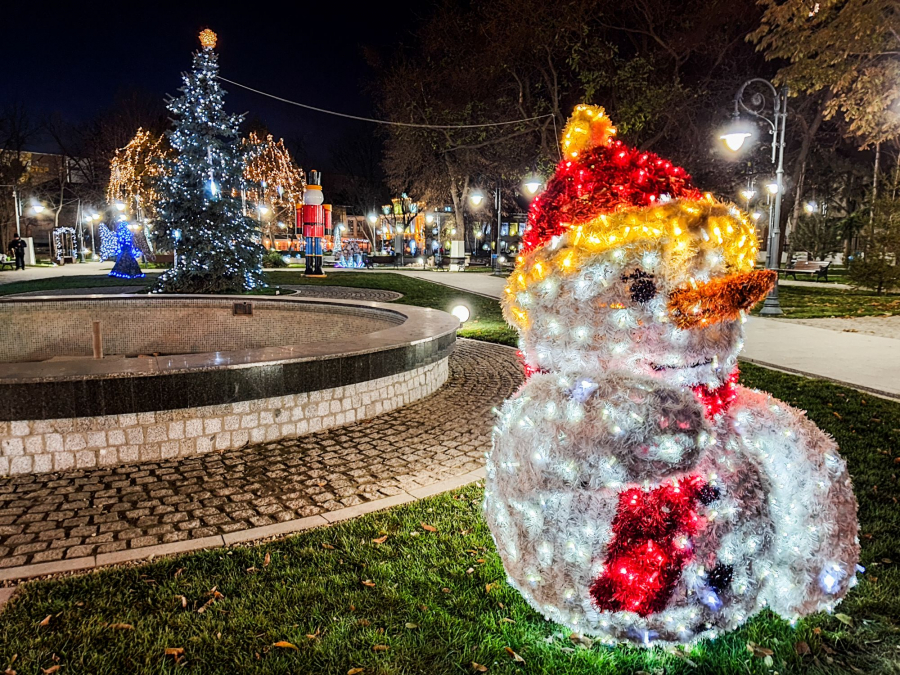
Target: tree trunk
x=800, y=171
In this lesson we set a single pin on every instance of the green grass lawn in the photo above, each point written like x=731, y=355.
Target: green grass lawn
x=87, y=281
x=805, y=302
x=485, y=323
x=418, y=602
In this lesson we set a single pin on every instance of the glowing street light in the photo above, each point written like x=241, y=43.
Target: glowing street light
x=37, y=208
x=120, y=207
x=476, y=197
x=532, y=184
x=748, y=194
x=429, y=218
x=810, y=207
x=734, y=137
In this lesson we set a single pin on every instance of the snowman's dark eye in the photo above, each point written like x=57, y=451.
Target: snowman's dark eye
x=643, y=288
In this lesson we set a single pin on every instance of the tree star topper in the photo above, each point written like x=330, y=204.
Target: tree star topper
x=207, y=38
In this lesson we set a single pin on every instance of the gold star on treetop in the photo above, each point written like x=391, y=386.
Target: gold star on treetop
x=207, y=38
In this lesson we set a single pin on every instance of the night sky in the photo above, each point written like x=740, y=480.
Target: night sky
x=73, y=57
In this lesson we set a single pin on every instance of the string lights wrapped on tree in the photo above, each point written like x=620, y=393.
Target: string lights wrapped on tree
x=635, y=491
x=135, y=172
x=200, y=214
x=274, y=179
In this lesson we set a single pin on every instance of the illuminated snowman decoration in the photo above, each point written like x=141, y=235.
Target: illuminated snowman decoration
x=635, y=491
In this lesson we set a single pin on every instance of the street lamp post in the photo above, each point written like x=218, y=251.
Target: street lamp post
x=734, y=136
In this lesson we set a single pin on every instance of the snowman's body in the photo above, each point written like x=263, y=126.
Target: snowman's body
x=560, y=465
x=634, y=491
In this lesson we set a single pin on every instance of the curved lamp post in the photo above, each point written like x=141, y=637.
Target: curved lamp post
x=734, y=137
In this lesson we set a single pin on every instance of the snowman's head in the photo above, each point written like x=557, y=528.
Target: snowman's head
x=641, y=283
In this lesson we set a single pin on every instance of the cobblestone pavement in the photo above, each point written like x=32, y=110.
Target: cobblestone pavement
x=343, y=293
x=51, y=517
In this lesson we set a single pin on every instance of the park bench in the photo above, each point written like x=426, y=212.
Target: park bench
x=383, y=260
x=815, y=268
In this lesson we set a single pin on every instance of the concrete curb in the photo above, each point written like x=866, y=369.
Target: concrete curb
x=92, y=562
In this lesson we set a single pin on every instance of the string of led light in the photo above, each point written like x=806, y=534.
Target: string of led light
x=385, y=122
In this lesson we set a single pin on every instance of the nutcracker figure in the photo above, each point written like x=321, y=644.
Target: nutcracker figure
x=313, y=215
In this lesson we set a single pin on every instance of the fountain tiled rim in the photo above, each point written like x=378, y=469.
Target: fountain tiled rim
x=87, y=388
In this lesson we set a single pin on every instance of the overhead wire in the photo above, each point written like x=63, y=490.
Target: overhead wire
x=387, y=122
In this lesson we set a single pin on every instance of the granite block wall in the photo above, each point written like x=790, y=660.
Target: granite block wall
x=62, y=444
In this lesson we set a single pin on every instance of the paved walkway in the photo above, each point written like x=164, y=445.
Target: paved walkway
x=882, y=326
x=123, y=513
x=867, y=362
x=72, y=270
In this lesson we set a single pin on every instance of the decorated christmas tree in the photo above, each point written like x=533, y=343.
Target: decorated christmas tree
x=201, y=218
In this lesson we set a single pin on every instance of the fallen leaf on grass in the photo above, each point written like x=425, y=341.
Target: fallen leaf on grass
x=178, y=572
x=428, y=528
x=581, y=640
x=515, y=657
x=51, y=669
x=205, y=605
x=328, y=547
x=489, y=587
x=46, y=622
x=121, y=626
x=355, y=671
x=9, y=671
x=446, y=590
x=267, y=559
x=284, y=644
x=183, y=600
x=506, y=620
x=380, y=648
x=470, y=570
x=843, y=618
x=801, y=648
x=412, y=626
x=380, y=540
x=364, y=622
x=478, y=668
x=177, y=652
x=368, y=583
x=315, y=636
x=757, y=651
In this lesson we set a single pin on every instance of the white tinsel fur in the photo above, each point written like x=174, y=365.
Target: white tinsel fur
x=567, y=444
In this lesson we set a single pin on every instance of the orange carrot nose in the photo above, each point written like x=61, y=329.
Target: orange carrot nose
x=720, y=299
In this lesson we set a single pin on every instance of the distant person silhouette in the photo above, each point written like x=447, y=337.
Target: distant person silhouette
x=17, y=248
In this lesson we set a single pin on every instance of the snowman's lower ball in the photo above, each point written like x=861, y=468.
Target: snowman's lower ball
x=569, y=453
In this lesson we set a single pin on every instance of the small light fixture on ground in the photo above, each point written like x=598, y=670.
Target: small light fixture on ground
x=461, y=312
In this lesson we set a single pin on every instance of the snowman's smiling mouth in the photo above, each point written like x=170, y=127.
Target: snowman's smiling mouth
x=661, y=367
